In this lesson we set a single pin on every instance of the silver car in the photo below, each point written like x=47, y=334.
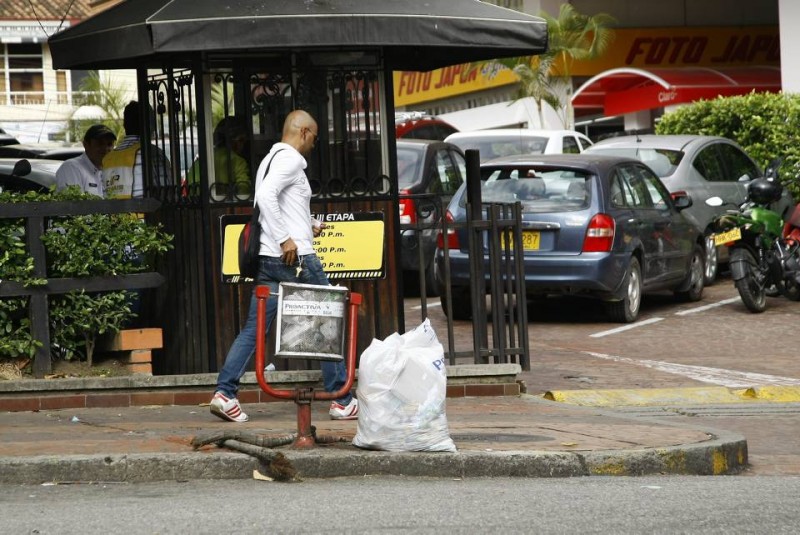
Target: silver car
x=501, y=142
x=703, y=167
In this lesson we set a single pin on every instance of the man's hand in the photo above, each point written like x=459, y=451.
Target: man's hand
x=318, y=229
x=289, y=255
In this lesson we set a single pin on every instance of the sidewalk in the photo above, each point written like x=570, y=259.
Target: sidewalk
x=523, y=436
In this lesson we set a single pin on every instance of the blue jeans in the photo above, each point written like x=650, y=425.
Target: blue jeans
x=271, y=272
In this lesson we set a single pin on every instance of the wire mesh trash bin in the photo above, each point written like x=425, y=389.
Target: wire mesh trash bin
x=311, y=321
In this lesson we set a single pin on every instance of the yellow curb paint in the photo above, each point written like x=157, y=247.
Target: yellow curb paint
x=614, y=468
x=674, y=460
x=646, y=396
x=719, y=463
x=781, y=394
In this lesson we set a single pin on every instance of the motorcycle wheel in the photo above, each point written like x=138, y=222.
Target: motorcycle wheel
x=773, y=291
x=754, y=296
x=792, y=291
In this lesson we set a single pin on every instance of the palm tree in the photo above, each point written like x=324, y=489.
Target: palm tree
x=573, y=36
x=107, y=96
x=546, y=77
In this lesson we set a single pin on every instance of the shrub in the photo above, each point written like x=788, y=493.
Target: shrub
x=79, y=246
x=766, y=125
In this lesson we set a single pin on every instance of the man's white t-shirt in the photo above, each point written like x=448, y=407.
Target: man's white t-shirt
x=81, y=172
x=284, y=199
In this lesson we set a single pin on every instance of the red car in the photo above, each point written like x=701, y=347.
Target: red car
x=417, y=125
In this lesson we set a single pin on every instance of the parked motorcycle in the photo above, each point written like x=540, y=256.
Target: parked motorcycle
x=764, y=251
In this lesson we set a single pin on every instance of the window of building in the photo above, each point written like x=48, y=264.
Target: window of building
x=23, y=73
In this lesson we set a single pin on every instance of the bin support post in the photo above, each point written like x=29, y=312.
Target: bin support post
x=304, y=396
x=305, y=436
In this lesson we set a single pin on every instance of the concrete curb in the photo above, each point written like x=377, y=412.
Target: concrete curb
x=725, y=453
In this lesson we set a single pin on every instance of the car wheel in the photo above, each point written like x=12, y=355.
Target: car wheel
x=432, y=279
x=627, y=310
x=462, y=304
x=692, y=286
x=712, y=261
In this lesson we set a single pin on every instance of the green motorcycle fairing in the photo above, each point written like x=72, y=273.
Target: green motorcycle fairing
x=771, y=221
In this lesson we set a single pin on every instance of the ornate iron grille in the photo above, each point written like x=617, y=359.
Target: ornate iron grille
x=171, y=96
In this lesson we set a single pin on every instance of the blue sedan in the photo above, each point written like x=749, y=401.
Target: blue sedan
x=598, y=226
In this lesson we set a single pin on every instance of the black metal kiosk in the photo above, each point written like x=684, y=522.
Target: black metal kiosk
x=205, y=62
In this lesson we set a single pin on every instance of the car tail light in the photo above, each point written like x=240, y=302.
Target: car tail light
x=452, y=237
x=599, y=235
x=408, y=210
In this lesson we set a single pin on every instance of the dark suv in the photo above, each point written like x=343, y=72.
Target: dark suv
x=429, y=173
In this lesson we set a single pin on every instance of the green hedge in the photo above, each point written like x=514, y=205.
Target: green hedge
x=766, y=125
x=79, y=246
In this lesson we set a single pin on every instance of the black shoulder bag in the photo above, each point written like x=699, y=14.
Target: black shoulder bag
x=250, y=238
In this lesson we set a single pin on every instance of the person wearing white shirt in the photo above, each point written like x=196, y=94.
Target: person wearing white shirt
x=286, y=255
x=86, y=171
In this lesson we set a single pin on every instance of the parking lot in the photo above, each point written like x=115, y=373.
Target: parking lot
x=714, y=342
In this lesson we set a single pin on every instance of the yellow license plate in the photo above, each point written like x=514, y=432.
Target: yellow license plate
x=727, y=237
x=530, y=240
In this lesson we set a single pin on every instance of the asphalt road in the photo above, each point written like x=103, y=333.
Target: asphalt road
x=619, y=505
x=714, y=342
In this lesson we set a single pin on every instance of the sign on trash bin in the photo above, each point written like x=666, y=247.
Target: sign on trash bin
x=311, y=321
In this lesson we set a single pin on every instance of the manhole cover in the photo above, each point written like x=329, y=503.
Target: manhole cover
x=498, y=437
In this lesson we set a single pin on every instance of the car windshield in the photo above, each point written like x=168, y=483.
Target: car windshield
x=496, y=147
x=538, y=190
x=408, y=164
x=662, y=161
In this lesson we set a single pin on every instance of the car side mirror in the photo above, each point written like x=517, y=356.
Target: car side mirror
x=22, y=168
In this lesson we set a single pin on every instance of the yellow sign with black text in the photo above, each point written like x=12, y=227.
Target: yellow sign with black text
x=349, y=247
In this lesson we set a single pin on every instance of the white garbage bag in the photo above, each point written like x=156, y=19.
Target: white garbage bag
x=402, y=388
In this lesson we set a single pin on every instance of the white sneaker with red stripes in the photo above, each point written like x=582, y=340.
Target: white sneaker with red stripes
x=344, y=412
x=227, y=408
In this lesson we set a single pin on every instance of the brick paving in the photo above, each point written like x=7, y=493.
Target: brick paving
x=726, y=337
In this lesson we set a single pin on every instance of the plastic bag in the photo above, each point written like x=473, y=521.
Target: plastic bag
x=402, y=387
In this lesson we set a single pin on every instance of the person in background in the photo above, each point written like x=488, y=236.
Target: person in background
x=286, y=255
x=230, y=167
x=122, y=167
x=86, y=171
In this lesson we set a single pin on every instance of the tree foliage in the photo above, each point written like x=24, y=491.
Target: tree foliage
x=107, y=96
x=766, y=125
x=547, y=77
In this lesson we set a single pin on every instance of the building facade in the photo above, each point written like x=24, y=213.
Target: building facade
x=37, y=101
x=668, y=47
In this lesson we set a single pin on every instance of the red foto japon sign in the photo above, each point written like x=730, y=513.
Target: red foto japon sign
x=686, y=47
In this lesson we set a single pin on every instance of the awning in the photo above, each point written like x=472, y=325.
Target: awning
x=411, y=34
x=626, y=90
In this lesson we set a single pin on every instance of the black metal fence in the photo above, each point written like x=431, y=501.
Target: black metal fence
x=498, y=296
